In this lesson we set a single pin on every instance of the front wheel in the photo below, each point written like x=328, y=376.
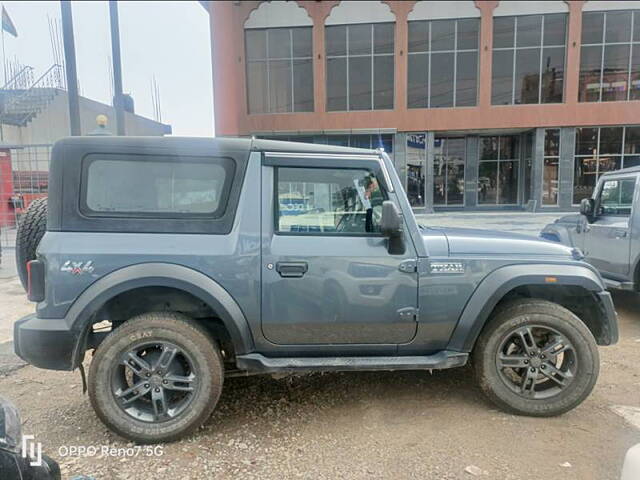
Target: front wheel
x=156, y=378
x=536, y=358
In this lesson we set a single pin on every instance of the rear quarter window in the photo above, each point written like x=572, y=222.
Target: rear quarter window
x=153, y=186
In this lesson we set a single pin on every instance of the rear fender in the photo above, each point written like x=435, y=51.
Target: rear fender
x=81, y=314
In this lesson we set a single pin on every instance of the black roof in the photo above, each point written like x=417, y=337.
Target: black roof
x=204, y=143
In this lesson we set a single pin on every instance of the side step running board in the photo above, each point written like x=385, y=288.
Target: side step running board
x=258, y=363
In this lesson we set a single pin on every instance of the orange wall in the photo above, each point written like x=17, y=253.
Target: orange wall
x=231, y=117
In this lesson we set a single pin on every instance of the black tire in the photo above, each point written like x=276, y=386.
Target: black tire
x=30, y=231
x=561, y=387
x=144, y=331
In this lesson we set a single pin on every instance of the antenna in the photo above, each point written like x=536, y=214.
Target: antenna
x=155, y=100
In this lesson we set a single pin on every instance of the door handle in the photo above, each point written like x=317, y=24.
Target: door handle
x=620, y=234
x=292, y=269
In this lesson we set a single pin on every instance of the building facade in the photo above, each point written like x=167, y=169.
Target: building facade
x=481, y=104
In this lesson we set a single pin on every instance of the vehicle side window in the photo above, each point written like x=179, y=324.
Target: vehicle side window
x=616, y=197
x=328, y=201
x=144, y=186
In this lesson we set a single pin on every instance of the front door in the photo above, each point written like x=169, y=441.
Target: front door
x=327, y=277
x=607, y=238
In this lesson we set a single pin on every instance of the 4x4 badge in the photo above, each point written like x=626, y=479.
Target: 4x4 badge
x=77, y=268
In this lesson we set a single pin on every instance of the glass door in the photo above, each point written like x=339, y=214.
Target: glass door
x=448, y=171
x=498, y=170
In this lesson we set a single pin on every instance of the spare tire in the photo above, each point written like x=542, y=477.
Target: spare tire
x=31, y=228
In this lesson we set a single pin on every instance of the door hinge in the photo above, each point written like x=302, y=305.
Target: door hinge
x=409, y=313
x=408, y=266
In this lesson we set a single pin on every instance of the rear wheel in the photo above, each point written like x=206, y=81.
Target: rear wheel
x=156, y=378
x=536, y=358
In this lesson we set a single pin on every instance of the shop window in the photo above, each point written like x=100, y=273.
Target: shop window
x=498, y=170
x=599, y=150
x=528, y=59
x=360, y=66
x=610, y=56
x=443, y=63
x=279, y=70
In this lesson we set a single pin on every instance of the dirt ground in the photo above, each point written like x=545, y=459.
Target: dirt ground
x=347, y=425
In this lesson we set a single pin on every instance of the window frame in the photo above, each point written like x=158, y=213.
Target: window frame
x=456, y=51
x=577, y=156
x=445, y=160
x=540, y=47
x=598, y=196
x=372, y=163
x=635, y=17
x=228, y=164
x=276, y=204
x=372, y=56
x=291, y=59
x=498, y=160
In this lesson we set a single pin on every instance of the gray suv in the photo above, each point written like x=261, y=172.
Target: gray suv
x=607, y=229
x=182, y=262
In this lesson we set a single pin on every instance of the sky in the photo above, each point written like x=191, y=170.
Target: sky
x=168, y=40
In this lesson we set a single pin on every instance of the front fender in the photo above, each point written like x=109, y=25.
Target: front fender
x=501, y=281
x=158, y=275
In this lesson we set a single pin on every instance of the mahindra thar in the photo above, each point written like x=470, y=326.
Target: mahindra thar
x=179, y=262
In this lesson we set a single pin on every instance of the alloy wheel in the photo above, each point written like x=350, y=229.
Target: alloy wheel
x=154, y=382
x=536, y=361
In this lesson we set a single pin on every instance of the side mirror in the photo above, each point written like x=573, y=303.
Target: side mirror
x=587, y=208
x=391, y=227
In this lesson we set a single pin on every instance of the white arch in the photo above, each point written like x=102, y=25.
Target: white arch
x=596, y=6
x=510, y=7
x=278, y=14
x=432, y=10
x=360, y=12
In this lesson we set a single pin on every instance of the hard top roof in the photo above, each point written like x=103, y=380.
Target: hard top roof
x=205, y=143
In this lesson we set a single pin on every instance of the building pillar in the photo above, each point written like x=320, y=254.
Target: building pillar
x=565, y=167
x=227, y=53
x=401, y=11
x=400, y=157
x=429, y=172
x=471, y=171
x=537, y=163
x=486, y=51
x=319, y=11
x=574, y=38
